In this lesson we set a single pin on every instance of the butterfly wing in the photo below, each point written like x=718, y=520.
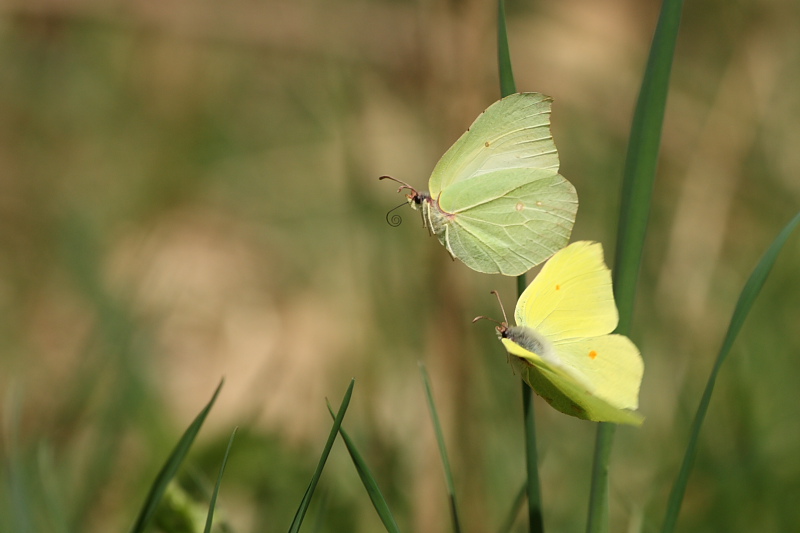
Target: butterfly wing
x=571, y=297
x=571, y=391
x=512, y=133
x=506, y=222
x=611, y=363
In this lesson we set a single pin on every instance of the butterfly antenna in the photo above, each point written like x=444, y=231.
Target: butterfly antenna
x=503, y=309
x=395, y=220
x=486, y=318
x=403, y=184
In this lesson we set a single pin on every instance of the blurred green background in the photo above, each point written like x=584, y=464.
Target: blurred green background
x=188, y=191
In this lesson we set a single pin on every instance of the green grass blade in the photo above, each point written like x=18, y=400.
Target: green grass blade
x=448, y=474
x=533, y=486
x=535, y=517
x=337, y=423
x=743, y=306
x=213, y=503
x=514, y=511
x=642, y=159
x=170, y=468
x=507, y=84
x=637, y=192
x=375, y=495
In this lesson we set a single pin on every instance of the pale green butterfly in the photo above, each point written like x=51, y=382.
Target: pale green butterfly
x=496, y=200
x=562, y=345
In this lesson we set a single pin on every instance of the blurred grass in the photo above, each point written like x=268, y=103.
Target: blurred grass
x=188, y=191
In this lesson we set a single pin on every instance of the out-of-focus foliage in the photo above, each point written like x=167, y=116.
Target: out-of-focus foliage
x=188, y=190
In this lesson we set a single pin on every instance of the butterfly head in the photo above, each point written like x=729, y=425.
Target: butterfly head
x=523, y=336
x=414, y=197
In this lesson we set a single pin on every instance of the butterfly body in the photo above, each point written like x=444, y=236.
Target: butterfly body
x=527, y=339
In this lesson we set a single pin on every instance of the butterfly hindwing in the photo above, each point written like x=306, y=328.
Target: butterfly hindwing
x=611, y=363
x=567, y=389
x=507, y=221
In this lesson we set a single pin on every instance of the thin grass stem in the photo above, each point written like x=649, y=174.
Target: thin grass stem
x=535, y=517
x=213, y=504
x=448, y=473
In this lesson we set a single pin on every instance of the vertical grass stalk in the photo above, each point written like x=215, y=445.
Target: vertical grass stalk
x=535, y=519
x=637, y=192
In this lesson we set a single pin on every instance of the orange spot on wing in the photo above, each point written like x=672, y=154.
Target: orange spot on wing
x=558, y=287
x=592, y=354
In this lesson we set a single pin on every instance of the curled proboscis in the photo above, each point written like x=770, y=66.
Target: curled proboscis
x=395, y=220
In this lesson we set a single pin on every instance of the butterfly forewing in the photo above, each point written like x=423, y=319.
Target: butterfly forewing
x=571, y=297
x=512, y=133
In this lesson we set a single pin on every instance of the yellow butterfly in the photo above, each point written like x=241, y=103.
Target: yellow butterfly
x=562, y=345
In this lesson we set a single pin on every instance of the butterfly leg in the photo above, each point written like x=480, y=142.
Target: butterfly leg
x=427, y=223
x=447, y=242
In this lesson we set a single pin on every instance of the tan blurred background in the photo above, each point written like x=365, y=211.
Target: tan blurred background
x=188, y=191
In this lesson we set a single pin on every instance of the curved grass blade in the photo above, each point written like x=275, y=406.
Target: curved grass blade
x=514, y=511
x=743, y=306
x=170, y=468
x=637, y=192
x=535, y=517
x=337, y=423
x=375, y=495
x=213, y=502
x=448, y=474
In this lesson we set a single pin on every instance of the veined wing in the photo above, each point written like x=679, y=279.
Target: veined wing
x=512, y=133
x=509, y=221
